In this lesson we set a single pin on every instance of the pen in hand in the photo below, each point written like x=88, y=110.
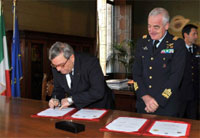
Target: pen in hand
x=55, y=101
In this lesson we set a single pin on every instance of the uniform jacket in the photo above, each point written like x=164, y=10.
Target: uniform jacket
x=190, y=82
x=89, y=87
x=159, y=73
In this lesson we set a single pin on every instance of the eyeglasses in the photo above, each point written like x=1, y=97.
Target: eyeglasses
x=60, y=65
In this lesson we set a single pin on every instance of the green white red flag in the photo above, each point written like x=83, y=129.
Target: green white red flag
x=5, y=88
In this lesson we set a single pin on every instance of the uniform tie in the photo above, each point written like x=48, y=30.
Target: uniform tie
x=154, y=45
x=190, y=50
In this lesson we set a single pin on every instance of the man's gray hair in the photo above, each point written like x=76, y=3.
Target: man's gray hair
x=59, y=47
x=164, y=12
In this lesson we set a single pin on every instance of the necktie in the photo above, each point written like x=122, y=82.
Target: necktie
x=71, y=76
x=190, y=50
x=154, y=45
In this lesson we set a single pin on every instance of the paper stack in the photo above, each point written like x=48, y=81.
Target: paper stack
x=117, y=84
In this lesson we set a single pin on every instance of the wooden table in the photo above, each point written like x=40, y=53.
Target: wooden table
x=15, y=121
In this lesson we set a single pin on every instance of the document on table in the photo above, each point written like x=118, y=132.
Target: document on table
x=165, y=128
x=126, y=124
x=55, y=112
x=89, y=114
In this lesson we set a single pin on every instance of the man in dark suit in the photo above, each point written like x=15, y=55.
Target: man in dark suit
x=158, y=67
x=78, y=79
x=190, y=83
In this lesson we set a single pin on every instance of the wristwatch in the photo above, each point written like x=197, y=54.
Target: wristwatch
x=70, y=101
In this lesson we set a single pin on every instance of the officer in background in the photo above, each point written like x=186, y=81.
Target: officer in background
x=158, y=67
x=190, y=82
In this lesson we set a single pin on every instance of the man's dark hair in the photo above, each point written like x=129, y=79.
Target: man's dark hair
x=187, y=29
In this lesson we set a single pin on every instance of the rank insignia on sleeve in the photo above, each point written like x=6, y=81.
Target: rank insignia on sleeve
x=135, y=86
x=175, y=38
x=144, y=36
x=167, y=93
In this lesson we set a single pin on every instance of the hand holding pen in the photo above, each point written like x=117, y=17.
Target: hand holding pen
x=54, y=102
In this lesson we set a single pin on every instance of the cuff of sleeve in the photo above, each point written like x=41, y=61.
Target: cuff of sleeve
x=163, y=98
x=70, y=101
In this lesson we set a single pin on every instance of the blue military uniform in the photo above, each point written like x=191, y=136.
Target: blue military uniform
x=190, y=85
x=158, y=73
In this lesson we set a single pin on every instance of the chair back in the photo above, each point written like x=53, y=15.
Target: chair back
x=47, y=87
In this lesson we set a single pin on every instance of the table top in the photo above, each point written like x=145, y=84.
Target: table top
x=16, y=121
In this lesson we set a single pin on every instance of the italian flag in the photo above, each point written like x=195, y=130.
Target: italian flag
x=5, y=88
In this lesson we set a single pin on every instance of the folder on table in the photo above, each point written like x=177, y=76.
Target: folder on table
x=55, y=113
x=88, y=114
x=142, y=126
x=168, y=128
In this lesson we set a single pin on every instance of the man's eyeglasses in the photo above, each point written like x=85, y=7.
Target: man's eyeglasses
x=60, y=65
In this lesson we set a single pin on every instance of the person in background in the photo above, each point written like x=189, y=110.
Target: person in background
x=78, y=80
x=190, y=83
x=158, y=67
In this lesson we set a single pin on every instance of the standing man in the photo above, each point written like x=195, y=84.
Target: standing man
x=78, y=79
x=190, y=83
x=158, y=67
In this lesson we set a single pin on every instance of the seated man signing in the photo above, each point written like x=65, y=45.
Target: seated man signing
x=78, y=79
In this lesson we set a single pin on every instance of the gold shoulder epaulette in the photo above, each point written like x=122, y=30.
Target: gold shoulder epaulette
x=144, y=36
x=175, y=38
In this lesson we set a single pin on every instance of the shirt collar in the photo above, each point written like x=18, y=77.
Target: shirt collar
x=187, y=46
x=163, y=36
x=160, y=40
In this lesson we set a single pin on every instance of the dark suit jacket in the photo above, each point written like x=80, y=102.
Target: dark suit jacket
x=190, y=82
x=159, y=73
x=89, y=87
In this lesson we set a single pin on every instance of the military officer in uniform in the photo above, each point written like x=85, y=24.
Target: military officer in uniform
x=190, y=82
x=158, y=67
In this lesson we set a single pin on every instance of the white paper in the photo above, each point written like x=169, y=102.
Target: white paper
x=169, y=128
x=88, y=114
x=55, y=112
x=126, y=124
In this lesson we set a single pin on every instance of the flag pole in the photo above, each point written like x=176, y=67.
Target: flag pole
x=1, y=6
x=14, y=10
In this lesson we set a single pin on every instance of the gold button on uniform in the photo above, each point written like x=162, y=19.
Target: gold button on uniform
x=163, y=58
x=150, y=77
x=152, y=58
x=192, y=73
x=192, y=67
x=150, y=67
x=150, y=86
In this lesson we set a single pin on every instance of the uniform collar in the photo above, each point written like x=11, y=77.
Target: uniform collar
x=187, y=46
x=160, y=40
